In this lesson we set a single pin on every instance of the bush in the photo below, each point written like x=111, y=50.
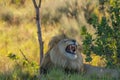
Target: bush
x=7, y=16
x=107, y=41
x=18, y=2
x=10, y=18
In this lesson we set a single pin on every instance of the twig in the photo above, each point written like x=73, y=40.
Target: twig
x=39, y=4
x=34, y=3
x=24, y=55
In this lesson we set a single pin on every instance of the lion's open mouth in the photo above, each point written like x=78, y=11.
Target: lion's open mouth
x=71, y=49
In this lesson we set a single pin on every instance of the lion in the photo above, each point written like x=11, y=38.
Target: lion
x=64, y=53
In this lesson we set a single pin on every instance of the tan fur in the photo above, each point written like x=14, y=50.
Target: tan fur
x=54, y=58
x=101, y=71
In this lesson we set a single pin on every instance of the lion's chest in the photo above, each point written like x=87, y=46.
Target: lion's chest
x=61, y=61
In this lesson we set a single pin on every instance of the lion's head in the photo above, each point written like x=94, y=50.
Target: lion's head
x=68, y=48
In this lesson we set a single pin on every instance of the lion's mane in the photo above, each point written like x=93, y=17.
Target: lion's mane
x=54, y=58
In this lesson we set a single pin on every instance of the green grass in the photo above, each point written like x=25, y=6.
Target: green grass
x=58, y=74
x=55, y=74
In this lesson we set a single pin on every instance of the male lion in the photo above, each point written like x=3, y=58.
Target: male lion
x=63, y=52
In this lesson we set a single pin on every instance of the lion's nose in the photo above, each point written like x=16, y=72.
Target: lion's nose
x=74, y=41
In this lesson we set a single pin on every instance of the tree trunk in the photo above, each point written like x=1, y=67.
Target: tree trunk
x=39, y=33
x=37, y=9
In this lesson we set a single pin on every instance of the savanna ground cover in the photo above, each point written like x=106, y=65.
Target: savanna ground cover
x=19, y=49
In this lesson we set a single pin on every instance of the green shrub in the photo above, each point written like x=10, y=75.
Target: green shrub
x=107, y=41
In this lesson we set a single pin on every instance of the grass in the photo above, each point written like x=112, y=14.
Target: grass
x=18, y=31
x=55, y=74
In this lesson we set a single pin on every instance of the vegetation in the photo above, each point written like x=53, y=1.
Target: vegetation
x=19, y=49
x=106, y=41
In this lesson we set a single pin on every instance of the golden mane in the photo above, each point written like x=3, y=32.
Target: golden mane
x=55, y=40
